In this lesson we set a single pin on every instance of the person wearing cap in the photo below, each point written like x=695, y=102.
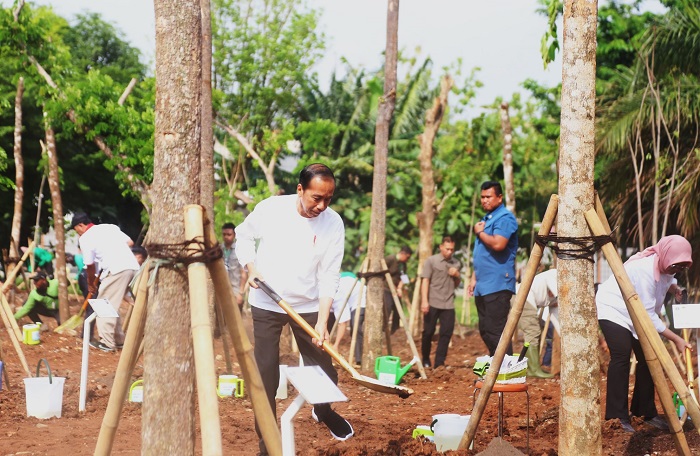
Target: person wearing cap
x=42, y=300
x=108, y=246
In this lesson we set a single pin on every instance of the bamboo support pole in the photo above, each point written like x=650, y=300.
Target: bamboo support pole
x=224, y=339
x=10, y=278
x=9, y=316
x=511, y=325
x=243, y=348
x=125, y=367
x=404, y=323
x=356, y=322
x=9, y=281
x=13, y=338
x=342, y=309
x=649, y=337
x=202, y=335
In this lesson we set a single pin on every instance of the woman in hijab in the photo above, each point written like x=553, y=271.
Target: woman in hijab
x=652, y=274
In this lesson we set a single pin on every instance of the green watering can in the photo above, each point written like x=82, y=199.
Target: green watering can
x=388, y=369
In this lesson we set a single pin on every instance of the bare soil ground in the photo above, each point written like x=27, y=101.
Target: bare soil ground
x=383, y=423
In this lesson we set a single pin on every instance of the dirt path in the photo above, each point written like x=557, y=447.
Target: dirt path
x=383, y=423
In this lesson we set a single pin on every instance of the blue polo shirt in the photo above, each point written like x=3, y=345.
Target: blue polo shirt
x=495, y=271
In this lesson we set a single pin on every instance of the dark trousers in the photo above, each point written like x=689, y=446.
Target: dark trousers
x=41, y=310
x=83, y=285
x=267, y=328
x=447, y=326
x=493, y=312
x=360, y=333
x=621, y=343
x=390, y=311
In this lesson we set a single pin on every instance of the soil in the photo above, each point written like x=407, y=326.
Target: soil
x=383, y=423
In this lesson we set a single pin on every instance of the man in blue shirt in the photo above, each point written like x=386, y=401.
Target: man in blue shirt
x=493, y=280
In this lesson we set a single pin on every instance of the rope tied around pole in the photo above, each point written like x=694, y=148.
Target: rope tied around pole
x=584, y=247
x=369, y=275
x=179, y=255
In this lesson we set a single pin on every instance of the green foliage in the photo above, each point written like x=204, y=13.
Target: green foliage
x=98, y=45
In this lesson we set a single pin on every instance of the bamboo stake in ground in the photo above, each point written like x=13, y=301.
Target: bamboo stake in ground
x=13, y=338
x=644, y=326
x=202, y=335
x=511, y=325
x=9, y=282
x=404, y=323
x=127, y=360
x=243, y=348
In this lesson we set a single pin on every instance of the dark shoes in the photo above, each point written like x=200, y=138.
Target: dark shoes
x=426, y=364
x=100, y=346
x=658, y=423
x=626, y=426
x=339, y=426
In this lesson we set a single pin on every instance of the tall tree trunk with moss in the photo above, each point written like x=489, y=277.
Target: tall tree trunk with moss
x=169, y=412
x=580, y=372
x=508, y=157
x=59, y=228
x=19, y=175
x=375, y=289
x=426, y=217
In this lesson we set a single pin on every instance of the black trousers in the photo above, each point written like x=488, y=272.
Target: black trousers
x=390, y=311
x=267, y=328
x=447, y=326
x=493, y=312
x=621, y=343
x=83, y=285
x=41, y=310
x=360, y=333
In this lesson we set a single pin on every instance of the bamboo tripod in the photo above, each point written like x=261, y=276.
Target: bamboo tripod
x=7, y=316
x=199, y=231
x=399, y=308
x=654, y=350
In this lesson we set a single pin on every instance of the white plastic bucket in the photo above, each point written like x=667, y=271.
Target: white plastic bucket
x=44, y=395
x=448, y=429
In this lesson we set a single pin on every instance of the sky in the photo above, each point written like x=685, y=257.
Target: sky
x=501, y=37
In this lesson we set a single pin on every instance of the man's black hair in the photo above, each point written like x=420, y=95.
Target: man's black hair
x=139, y=250
x=495, y=185
x=447, y=239
x=407, y=250
x=228, y=226
x=314, y=170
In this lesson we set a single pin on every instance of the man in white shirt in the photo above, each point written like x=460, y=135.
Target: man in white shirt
x=300, y=243
x=107, y=245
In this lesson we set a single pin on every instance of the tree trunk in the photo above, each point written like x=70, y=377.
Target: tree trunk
x=19, y=176
x=207, y=158
x=57, y=206
x=426, y=217
x=508, y=157
x=580, y=372
x=375, y=252
x=168, y=425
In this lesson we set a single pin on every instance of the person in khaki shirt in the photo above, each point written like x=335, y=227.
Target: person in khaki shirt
x=440, y=277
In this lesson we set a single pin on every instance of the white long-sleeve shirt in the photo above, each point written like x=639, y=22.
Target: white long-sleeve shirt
x=298, y=257
x=611, y=305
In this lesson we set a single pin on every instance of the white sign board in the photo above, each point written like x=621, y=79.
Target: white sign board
x=314, y=385
x=686, y=316
x=103, y=308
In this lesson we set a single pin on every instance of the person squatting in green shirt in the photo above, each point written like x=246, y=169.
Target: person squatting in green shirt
x=43, y=300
